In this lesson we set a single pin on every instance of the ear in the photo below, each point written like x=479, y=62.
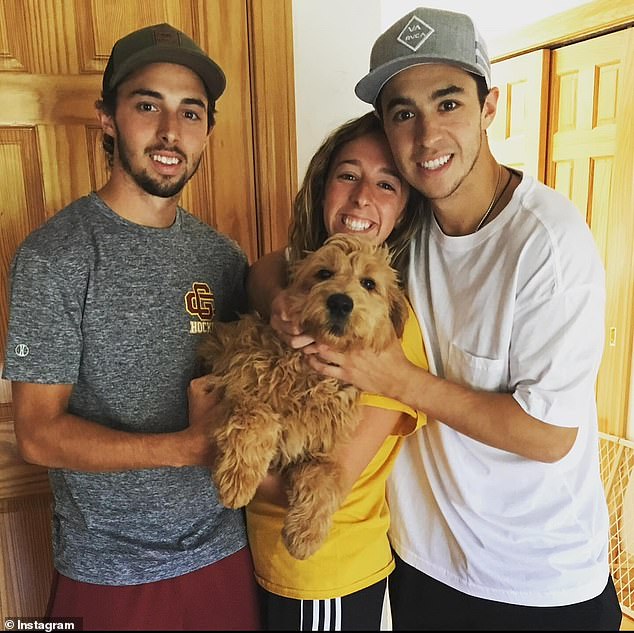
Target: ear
x=398, y=311
x=490, y=107
x=107, y=123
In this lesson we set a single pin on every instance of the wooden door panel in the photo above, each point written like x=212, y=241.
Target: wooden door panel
x=590, y=102
x=517, y=135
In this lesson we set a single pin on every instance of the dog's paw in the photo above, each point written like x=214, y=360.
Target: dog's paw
x=235, y=499
x=233, y=491
x=302, y=541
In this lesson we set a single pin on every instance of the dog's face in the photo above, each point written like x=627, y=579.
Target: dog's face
x=346, y=295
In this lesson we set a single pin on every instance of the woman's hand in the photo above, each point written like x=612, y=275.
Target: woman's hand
x=285, y=325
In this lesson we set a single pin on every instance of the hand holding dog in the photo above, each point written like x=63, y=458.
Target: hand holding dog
x=381, y=372
x=287, y=326
x=202, y=403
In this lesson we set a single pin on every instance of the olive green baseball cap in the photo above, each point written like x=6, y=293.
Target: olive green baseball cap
x=162, y=43
x=425, y=36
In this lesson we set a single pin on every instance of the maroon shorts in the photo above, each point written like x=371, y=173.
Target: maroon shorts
x=222, y=596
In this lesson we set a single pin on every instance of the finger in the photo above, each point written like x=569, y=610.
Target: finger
x=328, y=355
x=197, y=384
x=324, y=368
x=301, y=341
x=284, y=327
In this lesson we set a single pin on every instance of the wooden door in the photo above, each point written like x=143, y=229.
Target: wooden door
x=52, y=56
x=517, y=135
x=590, y=161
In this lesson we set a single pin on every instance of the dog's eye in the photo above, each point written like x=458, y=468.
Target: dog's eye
x=368, y=284
x=324, y=273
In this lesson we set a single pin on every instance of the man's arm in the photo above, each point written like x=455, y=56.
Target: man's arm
x=495, y=419
x=49, y=436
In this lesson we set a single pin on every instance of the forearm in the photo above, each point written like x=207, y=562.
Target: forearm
x=48, y=435
x=73, y=443
x=495, y=419
x=267, y=276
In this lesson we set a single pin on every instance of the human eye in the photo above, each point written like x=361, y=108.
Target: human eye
x=449, y=105
x=146, y=106
x=192, y=116
x=347, y=176
x=388, y=186
x=402, y=115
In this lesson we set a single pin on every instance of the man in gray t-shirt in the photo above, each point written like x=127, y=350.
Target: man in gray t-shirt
x=109, y=299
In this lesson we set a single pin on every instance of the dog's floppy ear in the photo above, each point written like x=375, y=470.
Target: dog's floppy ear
x=398, y=310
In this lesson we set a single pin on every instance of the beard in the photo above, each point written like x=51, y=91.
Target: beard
x=154, y=185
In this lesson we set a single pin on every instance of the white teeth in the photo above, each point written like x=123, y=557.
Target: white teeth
x=166, y=160
x=356, y=225
x=436, y=163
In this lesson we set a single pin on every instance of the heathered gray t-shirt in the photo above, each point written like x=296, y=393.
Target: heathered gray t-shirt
x=117, y=309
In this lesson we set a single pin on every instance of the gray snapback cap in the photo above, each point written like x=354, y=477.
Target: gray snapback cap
x=425, y=36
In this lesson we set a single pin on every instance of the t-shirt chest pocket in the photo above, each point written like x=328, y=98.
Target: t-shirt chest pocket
x=489, y=374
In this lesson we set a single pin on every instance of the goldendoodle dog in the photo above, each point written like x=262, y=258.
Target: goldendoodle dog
x=276, y=412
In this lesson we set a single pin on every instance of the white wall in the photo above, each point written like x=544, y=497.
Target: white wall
x=332, y=43
x=330, y=39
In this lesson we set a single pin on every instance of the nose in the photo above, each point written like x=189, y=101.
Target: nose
x=168, y=128
x=339, y=305
x=427, y=131
x=361, y=194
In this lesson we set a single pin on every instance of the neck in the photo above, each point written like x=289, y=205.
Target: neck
x=461, y=212
x=134, y=204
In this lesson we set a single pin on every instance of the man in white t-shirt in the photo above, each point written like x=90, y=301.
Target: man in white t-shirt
x=499, y=516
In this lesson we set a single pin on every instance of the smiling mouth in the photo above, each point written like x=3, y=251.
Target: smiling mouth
x=355, y=224
x=437, y=163
x=165, y=160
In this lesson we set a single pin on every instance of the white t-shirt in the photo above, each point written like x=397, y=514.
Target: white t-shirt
x=517, y=307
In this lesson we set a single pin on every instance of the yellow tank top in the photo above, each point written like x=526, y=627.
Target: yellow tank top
x=357, y=552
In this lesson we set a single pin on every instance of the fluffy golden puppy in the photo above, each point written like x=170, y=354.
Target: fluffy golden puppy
x=277, y=413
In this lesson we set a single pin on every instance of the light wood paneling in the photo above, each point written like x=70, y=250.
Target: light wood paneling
x=591, y=109
x=272, y=76
x=223, y=192
x=25, y=556
x=518, y=133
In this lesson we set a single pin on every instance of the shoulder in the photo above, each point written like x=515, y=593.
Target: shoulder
x=63, y=239
x=555, y=233
x=221, y=244
x=553, y=211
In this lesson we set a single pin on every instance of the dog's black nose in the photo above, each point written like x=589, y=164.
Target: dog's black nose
x=339, y=305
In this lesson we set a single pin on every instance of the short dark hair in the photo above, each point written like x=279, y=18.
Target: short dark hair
x=483, y=90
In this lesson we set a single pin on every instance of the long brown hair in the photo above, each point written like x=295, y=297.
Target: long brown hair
x=308, y=230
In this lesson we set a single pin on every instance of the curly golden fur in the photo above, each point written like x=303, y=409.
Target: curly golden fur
x=277, y=413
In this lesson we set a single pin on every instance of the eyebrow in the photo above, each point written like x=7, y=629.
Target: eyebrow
x=144, y=92
x=357, y=163
x=437, y=94
x=444, y=92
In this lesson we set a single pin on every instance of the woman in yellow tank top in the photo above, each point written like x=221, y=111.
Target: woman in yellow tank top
x=352, y=186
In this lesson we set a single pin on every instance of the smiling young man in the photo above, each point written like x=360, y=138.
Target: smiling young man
x=108, y=298
x=498, y=514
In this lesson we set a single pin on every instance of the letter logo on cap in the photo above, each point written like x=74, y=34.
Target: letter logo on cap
x=415, y=33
